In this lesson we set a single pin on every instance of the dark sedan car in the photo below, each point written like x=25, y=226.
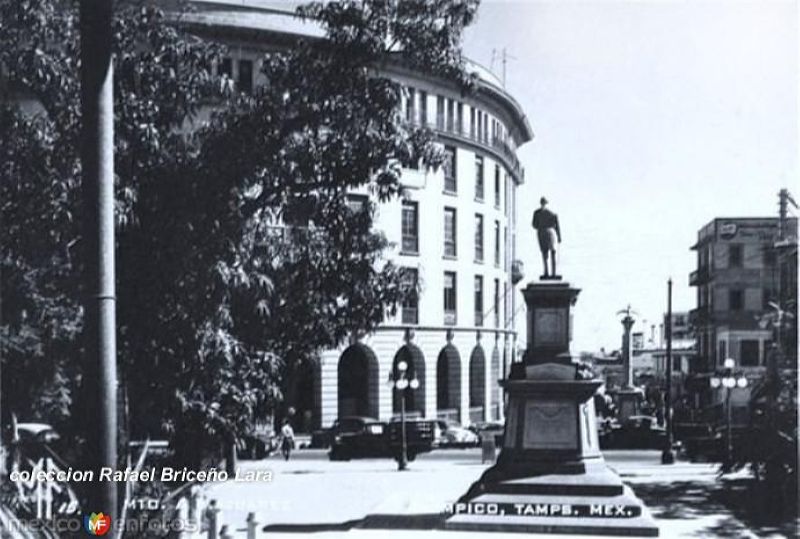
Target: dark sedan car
x=638, y=432
x=358, y=437
x=484, y=429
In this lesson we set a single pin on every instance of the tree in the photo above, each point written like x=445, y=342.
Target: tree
x=297, y=268
x=219, y=301
x=162, y=78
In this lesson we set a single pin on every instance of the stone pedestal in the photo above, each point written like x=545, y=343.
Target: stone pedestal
x=550, y=476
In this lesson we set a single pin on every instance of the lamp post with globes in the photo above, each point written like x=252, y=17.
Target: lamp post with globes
x=728, y=379
x=403, y=380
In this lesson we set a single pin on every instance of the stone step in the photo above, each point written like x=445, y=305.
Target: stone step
x=623, y=514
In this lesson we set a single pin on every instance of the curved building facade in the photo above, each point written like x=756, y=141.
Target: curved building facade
x=455, y=228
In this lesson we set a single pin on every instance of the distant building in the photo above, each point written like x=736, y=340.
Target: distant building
x=737, y=277
x=650, y=366
x=681, y=328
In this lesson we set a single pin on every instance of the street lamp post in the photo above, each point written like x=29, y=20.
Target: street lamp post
x=667, y=456
x=402, y=381
x=728, y=379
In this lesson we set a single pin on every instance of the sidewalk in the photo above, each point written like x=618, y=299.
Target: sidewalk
x=369, y=498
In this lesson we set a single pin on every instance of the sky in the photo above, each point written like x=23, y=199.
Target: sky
x=651, y=118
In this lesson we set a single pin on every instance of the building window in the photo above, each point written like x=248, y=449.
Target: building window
x=736, y=300
x=410, y=311
x=440, y=112
x=676, y=364
x=480, y=125
x=496, y=302
x=769, y=257
x=478, y=300
x=722, y=352
x=497, y=243
x=449, y=298
x=479, y=177
x=506, y=191
x=246, y=76
x=410, y=228
x=226, y=67
x=768, y=295
x=451, y=115
x=748, y=350
x=450, y=232
x=478, y=237
x=472, y=126
x=423, y=108
x=505, y=304
x=357, y=203
x=450, y=180
x=460, y=118
x=497, y=186
x=505, y=243
x=410, y=105
x=734, y=256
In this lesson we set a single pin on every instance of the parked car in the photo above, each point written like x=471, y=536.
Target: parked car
x=31, y=444
x=358, y=437
x=419, y=437
x=698, y=441
x=489, y=428
x=36, y=433
x=448, y=433
x=638, y=432
x=320, y=439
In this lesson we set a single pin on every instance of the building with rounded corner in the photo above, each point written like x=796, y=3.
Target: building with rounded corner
x=455, y=228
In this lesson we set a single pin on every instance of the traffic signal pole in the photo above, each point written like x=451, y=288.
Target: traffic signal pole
x=97, y=161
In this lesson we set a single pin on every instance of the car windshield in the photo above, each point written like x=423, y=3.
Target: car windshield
x=349, y=425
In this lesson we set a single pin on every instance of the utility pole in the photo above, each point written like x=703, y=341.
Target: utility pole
x=780, y=247
x=97, y=160
x=667, y=457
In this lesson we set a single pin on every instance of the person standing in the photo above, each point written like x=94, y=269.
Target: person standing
x=287, y=439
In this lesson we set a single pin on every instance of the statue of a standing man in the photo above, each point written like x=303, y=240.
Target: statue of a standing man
x=546, y=224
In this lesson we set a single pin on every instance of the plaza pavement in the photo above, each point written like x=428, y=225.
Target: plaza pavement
x=370, y=498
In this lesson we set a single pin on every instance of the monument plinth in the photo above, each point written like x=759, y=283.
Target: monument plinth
x=551, y=476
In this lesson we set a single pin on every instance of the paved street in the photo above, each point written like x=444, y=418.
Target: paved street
x=309, y=493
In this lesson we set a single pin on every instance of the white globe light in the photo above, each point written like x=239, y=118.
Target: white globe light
x=715, y=382
x=402, y=366
x=729, y=382
x=414, y=383
x=742, y=382
x=729, y=363
x=402, y=383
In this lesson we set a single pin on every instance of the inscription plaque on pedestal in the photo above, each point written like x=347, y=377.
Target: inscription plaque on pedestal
x=550, y=327
x=550, y=425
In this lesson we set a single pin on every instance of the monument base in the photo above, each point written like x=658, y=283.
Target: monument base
x=594, y=503
x=550, y=277
x=551, y=476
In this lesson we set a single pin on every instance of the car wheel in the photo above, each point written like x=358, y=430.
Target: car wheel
x=338, y=453
x=260, y=450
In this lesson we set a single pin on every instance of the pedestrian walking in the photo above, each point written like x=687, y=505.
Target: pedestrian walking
x=287, y=439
